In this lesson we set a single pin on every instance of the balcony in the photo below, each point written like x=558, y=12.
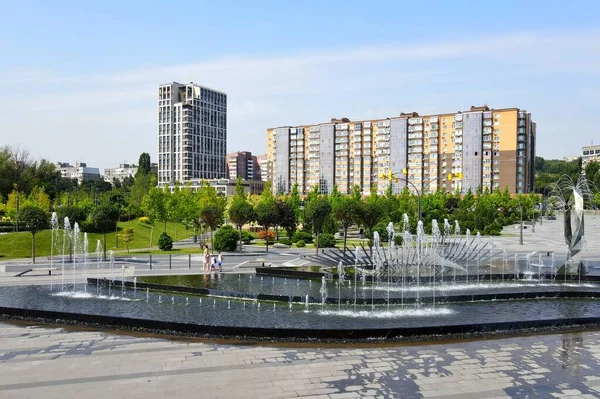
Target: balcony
x=487, y=123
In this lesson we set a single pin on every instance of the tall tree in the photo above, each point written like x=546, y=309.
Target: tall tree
x=240, y=211
x=155, y=205
x=35, y=219
x=104, y=218
x=212, y=207
x=371, y=212
x=266, y=211
x=317, y=212
x=346, y=213
x=144, y=164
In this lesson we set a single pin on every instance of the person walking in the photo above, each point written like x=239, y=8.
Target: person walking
x=206, y=258
x=220, y=261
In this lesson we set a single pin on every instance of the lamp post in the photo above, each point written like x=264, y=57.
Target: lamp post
x=391, y=177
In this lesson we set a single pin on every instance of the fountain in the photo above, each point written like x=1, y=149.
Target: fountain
x=416, y=284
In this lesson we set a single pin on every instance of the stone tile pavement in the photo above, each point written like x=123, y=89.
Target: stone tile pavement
x=58, y=363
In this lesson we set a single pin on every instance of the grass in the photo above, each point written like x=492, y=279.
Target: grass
x=18, y=245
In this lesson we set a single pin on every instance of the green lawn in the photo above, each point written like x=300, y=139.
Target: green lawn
x=18, y=245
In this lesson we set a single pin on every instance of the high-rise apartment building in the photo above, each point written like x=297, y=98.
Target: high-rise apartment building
x=80, y=171
x=487, y=148
x=192, y=133
x=263, y=164
x=590, y=153
x=243, y=164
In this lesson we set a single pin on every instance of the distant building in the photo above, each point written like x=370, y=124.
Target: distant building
x=124, y=170
x=243, y=164
x=263, y=164
x=570, y=158
x=226, y=187
x=590, y=153
x=80, y=171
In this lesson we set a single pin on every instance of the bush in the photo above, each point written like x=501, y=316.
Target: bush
x=300, y=244
x=267, y=236
x=398, y=240
x=247, y=237
x=326, y=240
x=74, y=213
x=302, y=235
x=165, y=242
x=381, y=228
x=285, y=241
x=86, y=226
x=145, y=219
x=226, y=239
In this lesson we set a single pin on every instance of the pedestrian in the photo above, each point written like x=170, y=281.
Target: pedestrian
x=212, y=263
x=206, y=257
x=220, y=261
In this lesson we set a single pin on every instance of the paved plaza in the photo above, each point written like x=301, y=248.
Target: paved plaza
x=42, y=362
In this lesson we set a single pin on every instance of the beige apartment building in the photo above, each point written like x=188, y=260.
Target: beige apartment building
x=480, y=147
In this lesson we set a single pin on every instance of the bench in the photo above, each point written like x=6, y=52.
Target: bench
x=37, y=269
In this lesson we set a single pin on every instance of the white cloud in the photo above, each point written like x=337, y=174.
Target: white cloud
x=105, y=119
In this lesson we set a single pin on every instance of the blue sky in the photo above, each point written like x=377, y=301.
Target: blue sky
x=78, y=79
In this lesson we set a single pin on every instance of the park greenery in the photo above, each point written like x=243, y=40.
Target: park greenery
x=143, y=216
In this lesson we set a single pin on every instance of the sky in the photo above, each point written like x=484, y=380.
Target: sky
x=78, y=80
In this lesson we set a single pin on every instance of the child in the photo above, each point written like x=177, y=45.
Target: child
x=220, y=262
x=212, y=263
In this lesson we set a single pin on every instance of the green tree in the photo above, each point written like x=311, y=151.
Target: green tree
x=35, y=219
x=155, y=205
x=266, y=211
x=371, y=212
x=240, y=211
x=212, y=207
x=144, y=164
x=317, y=212
x=126, y=235
x=104, y=219
x=346, y=214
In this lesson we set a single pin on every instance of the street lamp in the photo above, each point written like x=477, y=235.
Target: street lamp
x=391, y=177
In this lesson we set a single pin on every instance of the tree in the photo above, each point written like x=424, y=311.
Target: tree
x=35, y=219
x=266, y=210
x=286, y=217
x=371, y=211
x=104, y=219
x=346, y=213
x=126, y=236
x=317, y=212
x=240, y=211
x=212, y=207
x=144, y=164
x=155, y=205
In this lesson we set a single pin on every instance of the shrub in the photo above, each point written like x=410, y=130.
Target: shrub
x=326, y=240
x=300, y=244
x=247, y=237
x=398, y=240
x=145, y=219
x=74, y=213
x=226, y=239
x=165, y=242
x=87, y=227
x=267, y=236
x=285, y=241
x=302, y=235
x=381, y=228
